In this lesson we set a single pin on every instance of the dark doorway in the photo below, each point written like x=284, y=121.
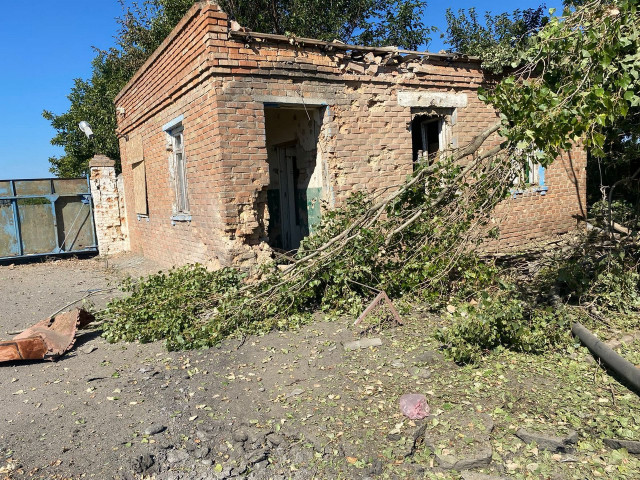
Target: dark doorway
x=295, y=179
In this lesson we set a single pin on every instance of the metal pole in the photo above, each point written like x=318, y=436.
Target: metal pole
x=621, y=366
x=16, y=217
x=94, y=235
x=53, y=199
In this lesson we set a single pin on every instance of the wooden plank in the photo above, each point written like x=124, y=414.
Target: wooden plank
x=135, y=151
x=140, y=188
x=135, y=155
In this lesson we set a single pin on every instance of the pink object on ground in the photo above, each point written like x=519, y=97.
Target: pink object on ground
x=414, y=406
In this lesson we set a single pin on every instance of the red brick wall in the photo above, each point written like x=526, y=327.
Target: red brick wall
x=221, y=85
x=172, y=84
x=529, y=216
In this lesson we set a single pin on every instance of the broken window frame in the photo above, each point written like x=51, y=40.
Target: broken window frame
x=424, y=132
x=531, y=178
x=178, y=163
x=421, y=117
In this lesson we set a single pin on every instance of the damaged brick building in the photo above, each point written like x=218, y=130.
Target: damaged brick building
x=234, y=142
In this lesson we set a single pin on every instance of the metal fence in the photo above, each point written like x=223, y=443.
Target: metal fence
x=45, y=217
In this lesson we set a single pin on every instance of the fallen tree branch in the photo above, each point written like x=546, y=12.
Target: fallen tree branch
x=433, y=216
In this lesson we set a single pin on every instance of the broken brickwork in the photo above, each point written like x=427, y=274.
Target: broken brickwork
x=262, y=133
x=107, y=191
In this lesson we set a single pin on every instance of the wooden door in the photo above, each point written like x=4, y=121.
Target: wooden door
x=290, y=235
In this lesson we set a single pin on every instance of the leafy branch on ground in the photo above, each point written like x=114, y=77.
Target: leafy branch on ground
x=415, y=240
x=590, y=279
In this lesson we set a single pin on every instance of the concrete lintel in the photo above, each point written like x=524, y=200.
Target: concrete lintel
x=167, y=127
x=101, y=161
x=432, y=99
x=292, y=100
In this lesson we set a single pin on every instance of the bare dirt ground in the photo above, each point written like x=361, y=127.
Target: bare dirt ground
x=293, y=404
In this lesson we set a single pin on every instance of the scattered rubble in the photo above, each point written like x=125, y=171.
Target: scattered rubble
x=630, y=446
x=549, y=442
x=154, y=429
x=466, y=462
x=627, y=339
x=143, y=463
x=364, y=343
x=295, y=393
x=87, y=349
x=480, y=476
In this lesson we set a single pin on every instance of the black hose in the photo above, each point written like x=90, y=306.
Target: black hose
x=622, y=367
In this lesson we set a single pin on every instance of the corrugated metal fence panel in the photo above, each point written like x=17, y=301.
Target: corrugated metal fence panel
x=9, y=245
x=45, y=217
x=75, y=225
x=5, y=189
x=37, y=222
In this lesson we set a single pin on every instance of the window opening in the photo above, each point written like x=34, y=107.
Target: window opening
x=531, y=176
x=426, y=133
x=180, y=170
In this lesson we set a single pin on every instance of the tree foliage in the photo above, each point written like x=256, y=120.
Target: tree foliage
x=92, y=101
x=363, y=22
x=581, y=77
x=498, y=39
x=143, y=26
x=556, y=59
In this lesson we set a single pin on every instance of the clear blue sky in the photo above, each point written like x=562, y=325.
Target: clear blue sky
x=45, y=44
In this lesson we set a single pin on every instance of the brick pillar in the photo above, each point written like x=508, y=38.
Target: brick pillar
x=108, y=206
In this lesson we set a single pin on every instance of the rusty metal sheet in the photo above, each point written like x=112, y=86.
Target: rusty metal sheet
x=37, y=220
x=5, y=189
x=47, y=339
x=70, y=186
x=32, y=348
x=33, y=187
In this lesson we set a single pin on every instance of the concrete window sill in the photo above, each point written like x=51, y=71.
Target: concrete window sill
x=180, y=217
x=527, y=192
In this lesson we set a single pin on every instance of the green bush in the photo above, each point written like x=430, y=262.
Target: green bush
x=609, y=279
x=502, y=319
x=167, y=305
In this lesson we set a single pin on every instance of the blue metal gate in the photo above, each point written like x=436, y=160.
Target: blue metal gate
x=45, y=217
